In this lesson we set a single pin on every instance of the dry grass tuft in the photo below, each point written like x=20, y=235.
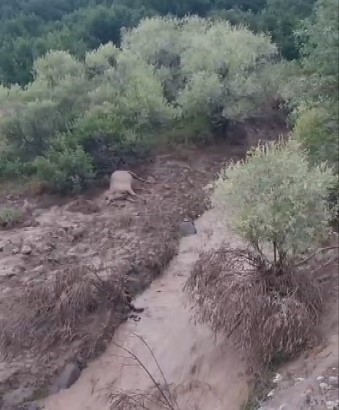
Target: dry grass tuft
x=48, y=314
x=268, y=314
x=136, y=400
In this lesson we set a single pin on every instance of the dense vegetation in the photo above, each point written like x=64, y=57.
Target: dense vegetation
x=84, y=112
x=187, y=78
x=30, y=28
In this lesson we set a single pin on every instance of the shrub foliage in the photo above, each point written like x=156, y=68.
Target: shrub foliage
x=276, y=200
x=107, y=108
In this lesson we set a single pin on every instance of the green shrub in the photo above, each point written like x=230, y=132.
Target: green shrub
x=9, y=217
x=276, y=200
x=207, y=68
x=186, y=78
x=12, y=167
x=103, y=138
x=317, y=130
x=31, y=128
x=66, y=170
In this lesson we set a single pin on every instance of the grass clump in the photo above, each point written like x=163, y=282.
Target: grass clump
x=10, y=217
x=51, y=313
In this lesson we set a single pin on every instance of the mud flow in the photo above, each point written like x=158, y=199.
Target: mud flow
x=203, y=372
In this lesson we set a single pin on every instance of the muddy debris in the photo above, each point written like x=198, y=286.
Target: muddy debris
x=134, y=241
x=26, y=250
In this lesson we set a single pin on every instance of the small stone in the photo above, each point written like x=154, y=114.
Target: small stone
x=324, y=386
x=151, y=180
x=332, y=405
x=333, y=381
x=26, y=250
x=277, y=378
x=299, y=380
x=320, y=378
x=270, y=394
x=18, y=396
x=68, y=376
x=187, y=228
x=208, y=187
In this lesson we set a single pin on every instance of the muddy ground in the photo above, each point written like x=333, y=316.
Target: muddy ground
x=132, y=240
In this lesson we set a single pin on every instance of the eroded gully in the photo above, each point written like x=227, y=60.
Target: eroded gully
x=207, y=372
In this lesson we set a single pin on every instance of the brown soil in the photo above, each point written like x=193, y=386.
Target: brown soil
x=132, y=240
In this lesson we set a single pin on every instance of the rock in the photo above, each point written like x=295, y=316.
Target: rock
x=299, y=380
x=333, y=381
x=271, y=393
x=332, y=405
x=208, y=187
x=277, y=378
x=187, y=228
x=324, y=386
x=68, y=376
x=18, y=396
x=26, y=250
x=151, y=180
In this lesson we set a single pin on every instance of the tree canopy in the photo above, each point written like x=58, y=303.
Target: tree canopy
x=30, y=28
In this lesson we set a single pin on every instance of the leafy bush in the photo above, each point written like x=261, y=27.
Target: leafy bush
x=32, y=127
x=319, y=41
x=316, y=83
x=311, y=91
x=10, y=217
x=102, y=136
x=207, y=68
x=317, y=130
x=66, y=170
x=277, y=201
x=169, y=74
x=282, y=18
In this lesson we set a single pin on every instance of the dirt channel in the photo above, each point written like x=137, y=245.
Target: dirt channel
x=203, y=372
